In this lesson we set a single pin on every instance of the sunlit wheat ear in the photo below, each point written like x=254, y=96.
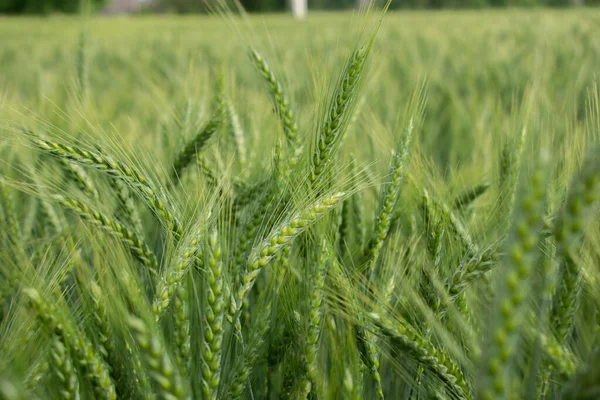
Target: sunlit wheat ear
x=62, y=369
x=174, y=272
x=389, y=199
x=164, y=373
x=83, y=351
x=213, y=324
x=577, y=214
x=509, y=309
x=117, y=170
x=338, y=114
x=136, y=246
x=284, y=110
x=282, y=235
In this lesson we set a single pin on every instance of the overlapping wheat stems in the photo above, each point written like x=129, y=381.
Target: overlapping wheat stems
x=578, y=212
x=163, y=372
x=510, y=167
x=174, y=272
x=315, y=299
x=251, y=227
x=365, y=341
x=474, y=268
x=435, y=230
x=358, y=209
x=510, y=306
x=106, y=342
x=244, y=365
x=213, y=326
x=407, y=341
x=82, y=63
x=127, y=208
x=83, y=351
x=281, y=236
x=344, y=233
x=10, y=214
x=182, y=327
x=194, y=147
x=389, y=199
x=202, y=138
x=35, y=375
x=117, y=170
x=136, y=246
x=584, y=384
x=238, y=136
x=338, y=114
x=77, y=175
x=62, y=369
x=464, y=199
x=280, y=100
x=455, y=226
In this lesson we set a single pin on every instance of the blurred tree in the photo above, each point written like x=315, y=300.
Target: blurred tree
x=44, y=6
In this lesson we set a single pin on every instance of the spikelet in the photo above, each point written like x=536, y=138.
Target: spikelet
x=407, y=341
x=244, y=365
x=136, y=246
x=389, y=199
x=281, y=236
x=213, y=327
x=182, y=327
x=284, y=111
x=127, y=208
x=77, y=175
x=193, y=147
x=338, y=114
x=106, y=345
x=83, y=351
x=164, y=373
x=63, y=370
x=117, y=170
x=173, y=274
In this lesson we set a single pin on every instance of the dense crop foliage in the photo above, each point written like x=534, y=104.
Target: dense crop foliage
x=213, y=209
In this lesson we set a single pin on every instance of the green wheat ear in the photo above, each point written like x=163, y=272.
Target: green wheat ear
x=577, y=214
x=510, y=306
x=213, y=312
x=284, y=110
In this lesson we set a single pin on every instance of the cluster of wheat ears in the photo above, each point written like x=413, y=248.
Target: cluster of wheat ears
x=208, y=282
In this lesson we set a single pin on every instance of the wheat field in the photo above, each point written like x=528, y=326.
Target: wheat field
x=399, y=206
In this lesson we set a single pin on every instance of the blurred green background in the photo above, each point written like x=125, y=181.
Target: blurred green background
x=190, y=6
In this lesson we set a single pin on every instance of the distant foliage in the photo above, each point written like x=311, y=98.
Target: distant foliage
x=44, y=6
